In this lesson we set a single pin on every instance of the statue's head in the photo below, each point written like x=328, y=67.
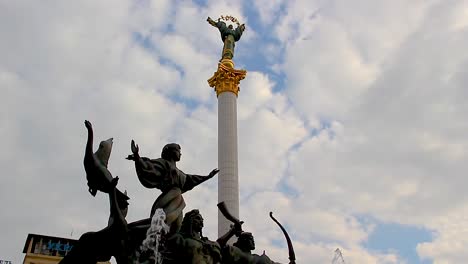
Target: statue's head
x=171, y=151
x=245, y=241
x=104, y=151
x=230, y=27
x=192, y=223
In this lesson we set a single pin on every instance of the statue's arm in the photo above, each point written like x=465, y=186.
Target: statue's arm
x=222, y=241
x=135, y=156
x=238, y=32
x=149, y=172
x=211, y=21
x=141, y=163
x=193, y=180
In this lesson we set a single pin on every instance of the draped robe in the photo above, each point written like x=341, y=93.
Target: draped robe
x=165, y=176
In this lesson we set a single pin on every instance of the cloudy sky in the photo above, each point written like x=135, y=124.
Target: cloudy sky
x=351, y=121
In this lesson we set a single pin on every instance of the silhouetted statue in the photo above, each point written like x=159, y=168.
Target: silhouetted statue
x=95, y=164
x=229, y=36
x=163, y=174
x=147, y=240
x=110, y=241
x=241, y=251
x=189, y=246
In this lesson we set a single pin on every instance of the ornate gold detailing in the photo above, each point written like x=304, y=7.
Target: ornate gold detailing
x=228, y=62
x=226, y=78
x=230, y=18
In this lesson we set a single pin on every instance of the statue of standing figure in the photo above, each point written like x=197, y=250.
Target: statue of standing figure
x=229, y=36
x=163, y=174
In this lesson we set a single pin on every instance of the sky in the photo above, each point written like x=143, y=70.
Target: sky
x=351, y=120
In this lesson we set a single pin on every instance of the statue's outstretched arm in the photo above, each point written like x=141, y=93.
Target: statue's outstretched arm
x=212, y=173
x=193, y=180
x=135, y=149
x=135, y=156
x=211, y=21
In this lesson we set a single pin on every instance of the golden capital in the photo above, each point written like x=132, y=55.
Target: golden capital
x=226, y=78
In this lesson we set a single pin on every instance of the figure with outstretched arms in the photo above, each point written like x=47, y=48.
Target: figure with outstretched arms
x=163, y=174
x=229, y=36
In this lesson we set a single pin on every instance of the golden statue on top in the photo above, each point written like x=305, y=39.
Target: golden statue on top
x=229, y=35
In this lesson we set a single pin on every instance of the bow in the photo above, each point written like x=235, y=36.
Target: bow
x=292, y=255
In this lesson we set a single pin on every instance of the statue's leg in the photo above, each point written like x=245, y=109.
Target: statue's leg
x=174, y=209
x=172, y=203
x=165, y=199
x=175, y=227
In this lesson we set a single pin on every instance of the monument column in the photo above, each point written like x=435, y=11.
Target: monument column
x=225, y=82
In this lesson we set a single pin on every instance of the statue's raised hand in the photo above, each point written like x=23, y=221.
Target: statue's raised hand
x=134, y=147
x=242, y=27
x=213, y=173
x=237, y=228
x=211, y=21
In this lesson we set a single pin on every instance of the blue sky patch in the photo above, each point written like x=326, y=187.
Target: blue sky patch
x=401, y=239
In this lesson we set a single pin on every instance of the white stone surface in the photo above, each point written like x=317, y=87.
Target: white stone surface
x=228, y=179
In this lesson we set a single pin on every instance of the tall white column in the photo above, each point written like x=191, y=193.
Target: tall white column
x=228, y=179
x=226, y=84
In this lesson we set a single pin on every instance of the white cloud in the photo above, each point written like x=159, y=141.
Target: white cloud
x=268, y=10
x=450, y=239
x=394, y=86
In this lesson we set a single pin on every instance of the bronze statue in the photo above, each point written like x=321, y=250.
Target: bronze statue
x=229, y=35
x=110, y=241
x=292, y=255
x=97, y=174
x=241, y=251
x=189, y=246
x=163, y=174
x=183, y=243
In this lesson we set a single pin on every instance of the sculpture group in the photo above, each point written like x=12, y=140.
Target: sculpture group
x=167, y=236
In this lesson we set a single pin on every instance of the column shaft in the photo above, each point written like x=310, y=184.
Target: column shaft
x=228, y=179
